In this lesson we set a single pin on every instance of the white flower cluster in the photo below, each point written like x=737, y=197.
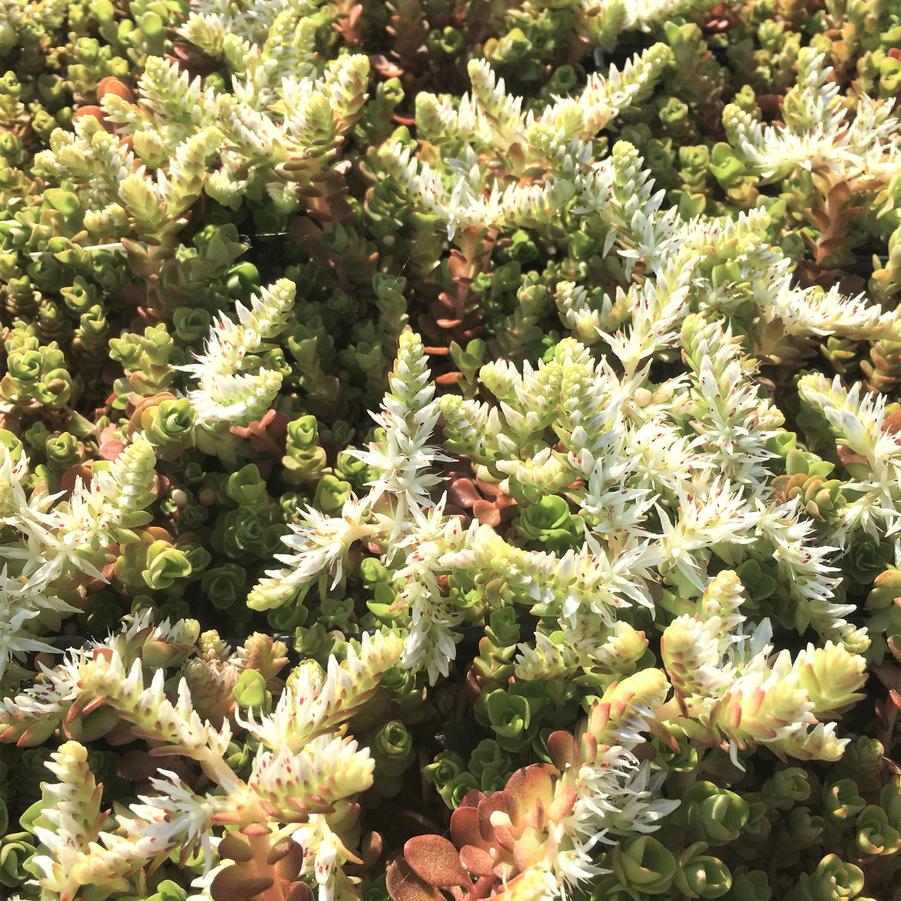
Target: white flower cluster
x=51, y=538
x=301, y=773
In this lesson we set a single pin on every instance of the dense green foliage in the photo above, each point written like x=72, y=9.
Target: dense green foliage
x=450, y=448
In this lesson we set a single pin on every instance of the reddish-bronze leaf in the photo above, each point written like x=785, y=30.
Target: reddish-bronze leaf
x=404, y=885
x=464, y=826
x=463, y=492
x=235, y=847
x=563, y=803
x=848, y=456
x=529, y=849
x=232, y=885
x=93, y=111
x=137, y=766
x=371, y=848
x=435, y=860
x=487, y=513
x=279, y=850
x=482, y=889
x=112, y=85
x=477, y=861
x=892, y=422
x=300, y=891
x=487, y=808
x=561, y=747
x=529, y=792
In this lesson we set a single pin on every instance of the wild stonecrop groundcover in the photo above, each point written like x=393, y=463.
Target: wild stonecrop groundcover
x=450, y=449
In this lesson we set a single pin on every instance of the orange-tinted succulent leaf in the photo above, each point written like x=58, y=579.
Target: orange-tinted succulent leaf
x=300, y=891
x=371, y=848
x=529, y=849
x=90, y=110
x=486, y=513
x=112, y=85
x=464, y=826
x=280, y=850
x=463, y=492
x=529, y=792
x=563, y=803
x=483, y=888
x=478, y=861
x=404, y=885
x=496, y=803
x=435, y=860
x=522, y=888
x=505, y=838
x=232, y=885
x=892, y=422
x=848, y=456
x=235, y=847
x=561, y=747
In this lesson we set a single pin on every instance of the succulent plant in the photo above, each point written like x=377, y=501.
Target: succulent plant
x=449, y=450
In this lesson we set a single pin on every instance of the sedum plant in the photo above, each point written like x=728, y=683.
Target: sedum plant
x=449, y=450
